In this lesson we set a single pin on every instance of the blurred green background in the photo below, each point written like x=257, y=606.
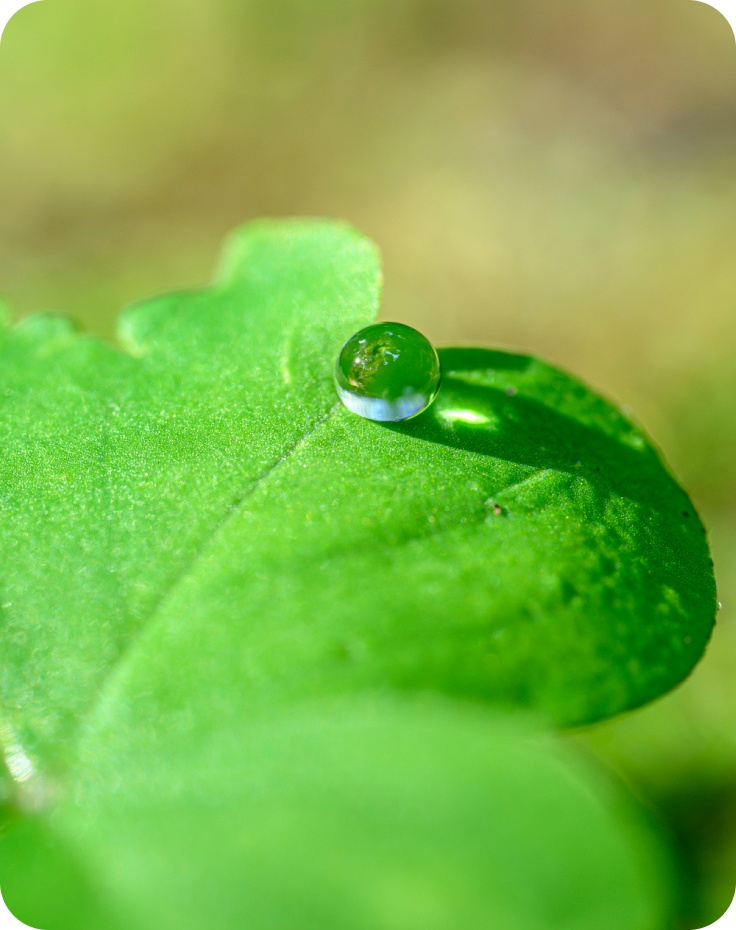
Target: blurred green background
x=559, y=177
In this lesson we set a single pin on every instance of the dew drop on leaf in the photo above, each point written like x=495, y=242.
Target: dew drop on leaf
x=387, y=372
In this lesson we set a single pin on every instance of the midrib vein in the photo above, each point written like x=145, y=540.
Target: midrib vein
x=169, y=594
x=159, y=607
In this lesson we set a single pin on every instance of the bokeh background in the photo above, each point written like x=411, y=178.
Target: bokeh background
x=558, y=177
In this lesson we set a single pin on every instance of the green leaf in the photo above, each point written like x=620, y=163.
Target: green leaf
x=117, y=468
x=198, y=539
x=194, y=527
x=380, y=814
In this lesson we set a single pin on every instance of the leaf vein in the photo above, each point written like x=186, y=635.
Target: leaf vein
x=192, y=562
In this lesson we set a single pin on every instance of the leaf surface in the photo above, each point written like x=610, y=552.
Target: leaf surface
x=194, y=527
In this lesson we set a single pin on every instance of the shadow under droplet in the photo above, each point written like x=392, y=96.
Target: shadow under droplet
x=482, y=407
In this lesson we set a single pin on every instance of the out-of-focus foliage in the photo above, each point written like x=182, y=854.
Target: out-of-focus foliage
x=381, y=814
x=555, y=176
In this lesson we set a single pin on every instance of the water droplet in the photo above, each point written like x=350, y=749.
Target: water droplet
x=387, y=372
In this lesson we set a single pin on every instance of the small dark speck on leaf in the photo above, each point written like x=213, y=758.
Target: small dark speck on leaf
x=685, y=513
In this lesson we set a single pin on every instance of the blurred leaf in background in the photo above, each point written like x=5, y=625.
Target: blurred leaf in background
x=558, y=177
x=368, y=814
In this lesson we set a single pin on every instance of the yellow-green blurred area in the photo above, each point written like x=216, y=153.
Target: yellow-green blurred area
x=557, y=176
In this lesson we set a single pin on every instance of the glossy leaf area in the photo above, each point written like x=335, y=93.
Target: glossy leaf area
x=196, y=533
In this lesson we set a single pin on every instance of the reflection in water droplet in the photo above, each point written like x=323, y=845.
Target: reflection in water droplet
x=387, y=372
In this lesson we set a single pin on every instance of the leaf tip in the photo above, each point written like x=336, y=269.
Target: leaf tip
x=326, y=235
